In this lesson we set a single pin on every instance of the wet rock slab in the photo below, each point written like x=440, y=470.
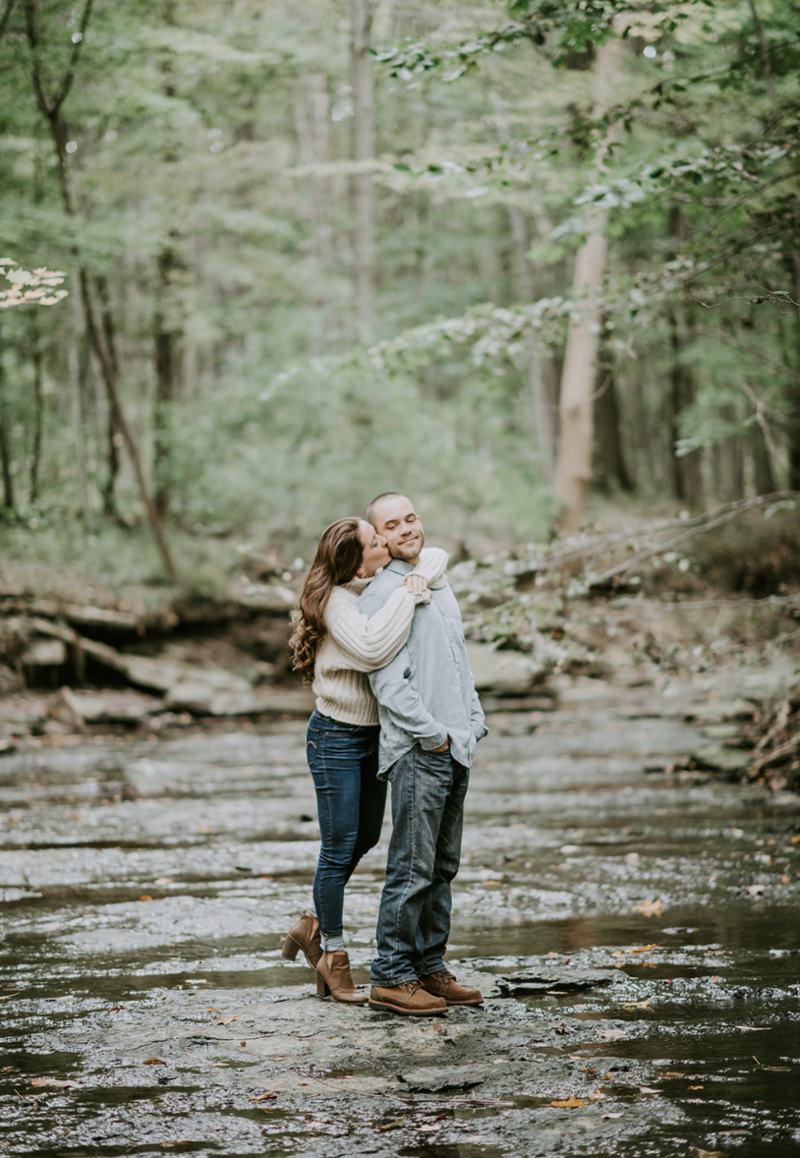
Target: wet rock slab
x=635, y=937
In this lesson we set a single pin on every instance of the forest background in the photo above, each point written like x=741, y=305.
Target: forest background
x=532, y=262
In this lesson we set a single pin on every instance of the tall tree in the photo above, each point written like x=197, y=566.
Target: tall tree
x=366, y=268
x=574, y=465
x=51, y=105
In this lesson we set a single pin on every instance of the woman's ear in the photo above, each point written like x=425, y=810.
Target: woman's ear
x=360, y=572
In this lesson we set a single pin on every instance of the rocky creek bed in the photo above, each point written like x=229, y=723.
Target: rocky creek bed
x=632, y=921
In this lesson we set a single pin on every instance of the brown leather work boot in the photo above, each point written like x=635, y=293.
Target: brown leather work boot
x=334, y=979
x=407, y=997
x=443, y=984
x=304, y=934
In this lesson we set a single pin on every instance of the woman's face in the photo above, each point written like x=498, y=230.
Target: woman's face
x=375, y=554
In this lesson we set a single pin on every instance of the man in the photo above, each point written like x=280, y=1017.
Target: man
x=431, y=720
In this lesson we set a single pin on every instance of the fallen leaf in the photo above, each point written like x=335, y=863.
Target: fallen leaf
x=648, y=1090
x=145, y=898
x=696, y=1087
x=753, y=1028
x=708, y=1153
x=672, y=1074
x=227, y=1020
x=588, y=1071
x=263, y=1097
x=648, y=1004
x=153, y=1061
x=434, y=1128
x=597, y=1096
x=54, y=1082
x=437, y=1027
x=394, y=1125
x=648, y=908
x=619, y=1115
x=221, y=1065
x=618, y=953
x=569, y=1104
x=561, y=1028
x=647, y=948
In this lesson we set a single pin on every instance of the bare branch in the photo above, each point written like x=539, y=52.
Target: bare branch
x=69, y=75
x=708, y=522
x=750, y=351
x=51, y=108
x=765, y=58
x=4, y=19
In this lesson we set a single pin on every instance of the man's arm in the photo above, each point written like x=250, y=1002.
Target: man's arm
x=395, y=695
x=477, y=718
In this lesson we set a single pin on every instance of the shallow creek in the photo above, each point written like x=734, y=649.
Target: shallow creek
x=635, y=931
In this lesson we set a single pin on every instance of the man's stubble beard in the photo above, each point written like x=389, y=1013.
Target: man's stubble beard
x=408, y=551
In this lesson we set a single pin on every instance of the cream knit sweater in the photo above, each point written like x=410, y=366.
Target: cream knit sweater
x=354, y=645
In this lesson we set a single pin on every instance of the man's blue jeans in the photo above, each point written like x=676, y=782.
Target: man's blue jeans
x=428, y=790
x=343, y=759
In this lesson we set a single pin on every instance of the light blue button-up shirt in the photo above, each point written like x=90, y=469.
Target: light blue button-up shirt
x=426, y=693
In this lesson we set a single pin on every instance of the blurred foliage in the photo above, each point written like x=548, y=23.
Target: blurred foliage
x=208, y=153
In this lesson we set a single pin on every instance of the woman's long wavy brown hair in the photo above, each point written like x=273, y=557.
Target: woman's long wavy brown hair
x=338, y=557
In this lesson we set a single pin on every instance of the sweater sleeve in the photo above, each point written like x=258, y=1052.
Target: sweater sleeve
x=432, y=565
x=369, y=643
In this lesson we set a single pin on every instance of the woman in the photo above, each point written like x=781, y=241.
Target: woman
x=335, y=646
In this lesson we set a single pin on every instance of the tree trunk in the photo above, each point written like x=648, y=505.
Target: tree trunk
x=610, y=467
x=574, y=466
x=794, y=401
x=76, y=391
x=763, y=472
x=167, y=337
x=366, y=271
x=5, y=448
x=113, y=436
x=687, y=477
x=522, y=243
x=312, y=118
x=38, y=408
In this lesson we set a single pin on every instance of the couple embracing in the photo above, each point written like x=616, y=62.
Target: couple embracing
x=379, y=633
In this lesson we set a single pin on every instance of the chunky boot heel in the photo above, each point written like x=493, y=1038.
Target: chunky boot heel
x=333, y=971
x=290, y=948
x=304, y=934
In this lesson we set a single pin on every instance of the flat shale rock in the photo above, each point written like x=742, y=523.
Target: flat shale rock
x=720, y=759
x=501, y=673
x=440, y=1080
x=529, y=982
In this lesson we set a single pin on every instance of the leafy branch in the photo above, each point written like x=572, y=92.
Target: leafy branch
x=30, y=287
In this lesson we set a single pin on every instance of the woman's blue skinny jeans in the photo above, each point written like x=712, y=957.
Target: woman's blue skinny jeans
x=343, y=759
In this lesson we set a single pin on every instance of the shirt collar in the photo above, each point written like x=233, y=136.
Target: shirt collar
x=400, y=566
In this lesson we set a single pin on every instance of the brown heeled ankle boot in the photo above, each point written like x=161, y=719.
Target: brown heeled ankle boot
x=333, y=977
x=305, y=935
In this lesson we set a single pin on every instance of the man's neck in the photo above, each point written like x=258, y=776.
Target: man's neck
x=411, y=562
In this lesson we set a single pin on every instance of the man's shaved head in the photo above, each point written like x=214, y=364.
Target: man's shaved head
x=373, y=506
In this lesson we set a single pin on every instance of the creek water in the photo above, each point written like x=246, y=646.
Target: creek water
x=634, y=929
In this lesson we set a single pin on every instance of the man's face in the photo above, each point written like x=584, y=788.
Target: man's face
x=401, y=527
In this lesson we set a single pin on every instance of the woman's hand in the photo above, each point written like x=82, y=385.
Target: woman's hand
x=416, y=584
